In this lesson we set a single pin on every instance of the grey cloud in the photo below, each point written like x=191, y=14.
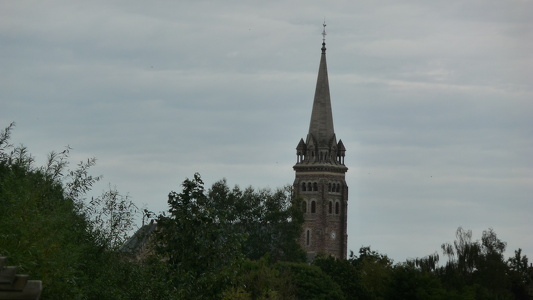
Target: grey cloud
x=431, y=99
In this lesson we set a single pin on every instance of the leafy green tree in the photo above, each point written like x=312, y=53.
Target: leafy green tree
x=521, y=275
x=477, y=266
x=364, y=276
x=425, y=264
x=491, y=267
x=41, y=230
x=111, y=217
x=196, y=241
x=268, y=219
x=310, y=281
x=51, y=232
x=377, y=270
x=260, y=279
x=206, y=235
x=411, y=282
x=462, y=255
x=344, y=273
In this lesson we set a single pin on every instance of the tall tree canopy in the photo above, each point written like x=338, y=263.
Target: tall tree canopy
x=206, y=234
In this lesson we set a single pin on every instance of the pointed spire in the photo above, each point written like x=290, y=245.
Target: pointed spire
x=321, y=125
x=320, y=151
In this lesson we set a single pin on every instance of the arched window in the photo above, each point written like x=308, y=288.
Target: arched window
x=330, y=210
x=309, y=187
x=338, y=188
x=337, y=208
x=307, y=237
x=315, y=186
x=303, y=186
x=313, y=207
x=304, y=206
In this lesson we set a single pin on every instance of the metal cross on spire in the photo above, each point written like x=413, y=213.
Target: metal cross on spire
x=324, y=32
x=324, y=38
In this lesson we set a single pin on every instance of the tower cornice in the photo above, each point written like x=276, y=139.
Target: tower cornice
x=304, y=168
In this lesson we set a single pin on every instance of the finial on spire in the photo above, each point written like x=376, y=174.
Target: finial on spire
x=324, y=37
x=324, y=32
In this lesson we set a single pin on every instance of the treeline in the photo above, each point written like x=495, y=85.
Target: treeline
x=215, y=243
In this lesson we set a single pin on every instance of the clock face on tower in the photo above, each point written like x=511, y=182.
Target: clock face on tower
x=333, y=235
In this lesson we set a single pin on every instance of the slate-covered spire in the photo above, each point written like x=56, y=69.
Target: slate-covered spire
x=321, y=125
x=320, y=148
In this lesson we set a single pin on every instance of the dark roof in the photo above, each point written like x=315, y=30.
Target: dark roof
x=301, y=145
x=321, y=125
x=139, y=239
x=340, y=146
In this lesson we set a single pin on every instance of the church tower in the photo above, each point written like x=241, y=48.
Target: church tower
x=320, y=176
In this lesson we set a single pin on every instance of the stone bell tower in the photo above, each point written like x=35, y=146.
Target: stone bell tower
x=320, y=176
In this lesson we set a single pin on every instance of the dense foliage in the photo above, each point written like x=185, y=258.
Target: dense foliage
x=219, y=243
x=53, y=233
x=206, y=236
x=474, y=270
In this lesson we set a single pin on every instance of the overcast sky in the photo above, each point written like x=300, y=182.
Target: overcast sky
x=432, y=99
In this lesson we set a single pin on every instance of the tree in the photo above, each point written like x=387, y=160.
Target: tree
x=376, y=269
x=477, y=265
x=345, y=274
x=366, y=276
x=111, y=217
x=260, y=279
x=41, y=228
x=492, y=269
x=195, y=241
x=521, y=274
x=411, y=282
x=206, y=235
x=462, y=255
x=50, y=231
x=268, y=219
x=310, y=281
